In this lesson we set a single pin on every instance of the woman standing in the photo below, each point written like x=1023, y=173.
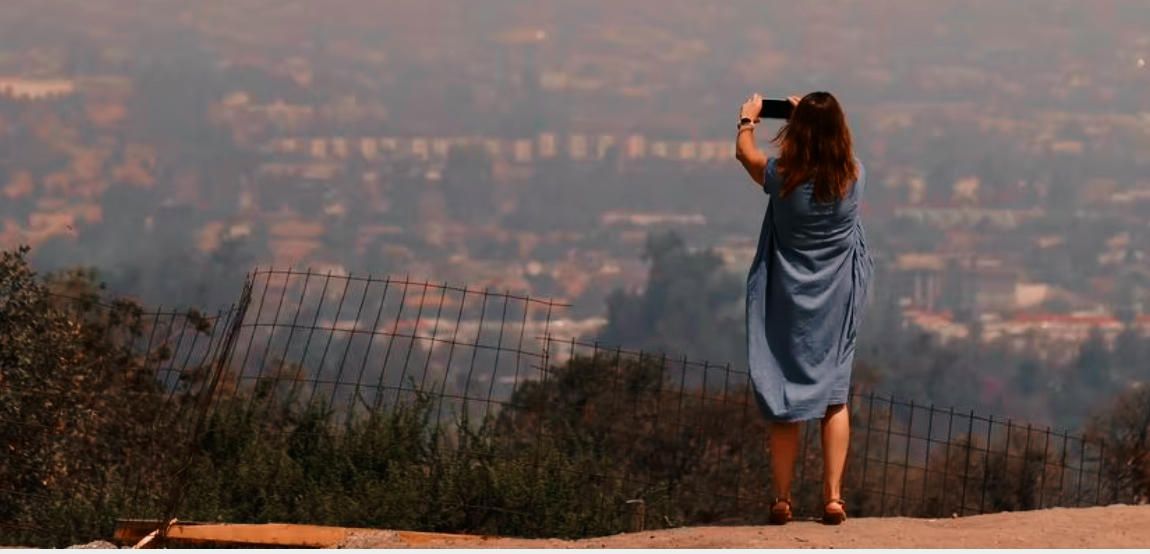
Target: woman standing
x=806, y=287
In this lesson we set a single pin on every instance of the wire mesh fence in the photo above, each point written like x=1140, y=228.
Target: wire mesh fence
x=359, y=345
x=386, y=402
x=923, y=461
x=683, y=439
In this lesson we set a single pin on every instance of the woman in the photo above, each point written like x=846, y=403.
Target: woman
x=806, y=287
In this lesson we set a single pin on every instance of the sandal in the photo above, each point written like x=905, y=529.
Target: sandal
x=835, y=517
x=780, y=511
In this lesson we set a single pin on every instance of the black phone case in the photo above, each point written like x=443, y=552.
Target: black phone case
x=776, y=109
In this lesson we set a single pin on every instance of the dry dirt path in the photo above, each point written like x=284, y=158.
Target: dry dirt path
x=1104, y=527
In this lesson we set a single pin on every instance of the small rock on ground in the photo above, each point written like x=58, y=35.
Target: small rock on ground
x=95, y=544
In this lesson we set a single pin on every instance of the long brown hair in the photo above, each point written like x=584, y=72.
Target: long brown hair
x=815, y=146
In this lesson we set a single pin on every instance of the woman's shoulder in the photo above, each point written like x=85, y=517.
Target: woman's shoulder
x=859, y=185
x=771, y=175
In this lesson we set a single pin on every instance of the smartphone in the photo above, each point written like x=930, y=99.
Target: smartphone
x=776, y=109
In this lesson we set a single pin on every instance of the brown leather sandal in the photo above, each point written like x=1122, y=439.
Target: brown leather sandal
x=780, y=511
x=834, y=517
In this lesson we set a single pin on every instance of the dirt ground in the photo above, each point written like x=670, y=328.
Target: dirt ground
x=1103, y=527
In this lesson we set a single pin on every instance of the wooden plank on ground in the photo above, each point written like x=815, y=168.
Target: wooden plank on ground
x=262, y=534
x=265, y=534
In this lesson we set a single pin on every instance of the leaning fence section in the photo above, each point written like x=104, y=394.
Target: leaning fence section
x=356, y=346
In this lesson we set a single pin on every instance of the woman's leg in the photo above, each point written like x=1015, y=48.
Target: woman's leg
x=784, y=449
x=836, y=438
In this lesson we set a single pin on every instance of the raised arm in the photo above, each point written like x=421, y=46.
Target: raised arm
x=746, y=151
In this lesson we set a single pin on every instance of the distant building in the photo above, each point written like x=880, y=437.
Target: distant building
x=523, y=151
x=602, y=145
x=707, y=151
x=368, y=148
x=1068, y=147
x=292, y=240
x=493, y=147
x=286, y=146
x=946, y=218
x=318, y=148
x=420, y=148
x=921, y=276
x=547, y=145
x=995, y=288
x=939, y=324
x=36, y=89
x=636, y=147
x=339, y=148
x=641, y=219
x=1063, y=333
x=688, y=151
x=577, y=147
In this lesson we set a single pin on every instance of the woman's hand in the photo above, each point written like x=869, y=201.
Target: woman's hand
x=748, y=154
x=794, y=100
x=752, y=108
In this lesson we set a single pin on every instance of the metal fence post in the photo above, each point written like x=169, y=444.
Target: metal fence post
x=966, y=465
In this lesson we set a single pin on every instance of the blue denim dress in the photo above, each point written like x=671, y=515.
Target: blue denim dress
x=806, y=290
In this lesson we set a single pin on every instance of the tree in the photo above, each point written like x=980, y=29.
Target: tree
x=1028, y=378
x=1125, y=428
x=691, y=306
x=79, y=402
x=1130, y=350
x=1092, y=367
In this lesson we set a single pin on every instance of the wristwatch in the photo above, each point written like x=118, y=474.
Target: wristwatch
x=745, y=122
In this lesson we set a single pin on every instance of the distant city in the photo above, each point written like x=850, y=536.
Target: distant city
x=537, y=148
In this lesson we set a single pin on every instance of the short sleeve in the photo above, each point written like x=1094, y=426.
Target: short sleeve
x=861, y=181
x=771, y=177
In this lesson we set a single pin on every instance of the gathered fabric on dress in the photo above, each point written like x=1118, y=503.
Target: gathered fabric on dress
x=806, y=291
